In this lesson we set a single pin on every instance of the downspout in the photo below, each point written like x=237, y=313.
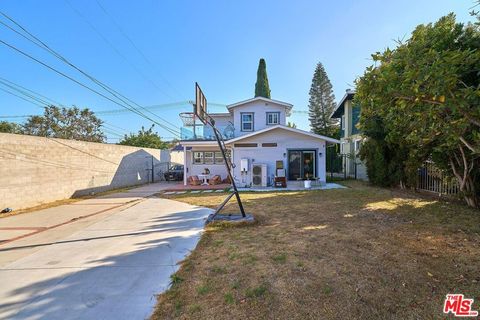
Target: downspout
x=184, y=165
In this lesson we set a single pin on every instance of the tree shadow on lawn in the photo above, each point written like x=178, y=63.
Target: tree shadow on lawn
x=366, y=252
x=93, y=286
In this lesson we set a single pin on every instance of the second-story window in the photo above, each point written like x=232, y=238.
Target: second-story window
x=343, y=122
x=273, y=117
x=247, y=121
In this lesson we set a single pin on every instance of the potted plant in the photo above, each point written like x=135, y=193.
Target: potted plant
x=307, y=182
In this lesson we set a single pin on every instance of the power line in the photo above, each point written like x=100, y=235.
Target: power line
x=115, y=49
x=16, y=95
x=124, y=34
x=83, y=85
x=31, y=91
x=116, y=94
x=115, y=126
x=25, y=93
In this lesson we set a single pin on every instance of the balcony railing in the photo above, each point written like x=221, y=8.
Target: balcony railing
x=204, y=132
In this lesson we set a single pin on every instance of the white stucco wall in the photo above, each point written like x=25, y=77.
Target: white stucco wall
x=176, y=157
x=259, y=108
x=269, y=155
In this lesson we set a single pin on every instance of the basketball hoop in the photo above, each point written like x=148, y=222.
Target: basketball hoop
x=200, y=112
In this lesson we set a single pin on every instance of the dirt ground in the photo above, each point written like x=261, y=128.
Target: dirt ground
x=356, y=253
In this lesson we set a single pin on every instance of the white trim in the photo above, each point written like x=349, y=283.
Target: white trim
x=272, y=113
x=279, y=126
x=242, y=122
x=184, y=165
x=220, y=114
x=199, y=143
x=285, y=104
x=342, y=101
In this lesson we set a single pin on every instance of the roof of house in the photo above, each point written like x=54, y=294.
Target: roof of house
x=295, y=130
x=179, y=147
x=339, y=109
x=289, y=106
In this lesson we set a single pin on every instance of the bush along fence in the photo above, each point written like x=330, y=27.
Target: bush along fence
x=432, y=179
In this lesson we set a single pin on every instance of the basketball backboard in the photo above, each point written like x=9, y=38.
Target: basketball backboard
x=200, y=104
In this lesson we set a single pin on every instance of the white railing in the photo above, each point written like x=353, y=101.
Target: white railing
x=433, y=179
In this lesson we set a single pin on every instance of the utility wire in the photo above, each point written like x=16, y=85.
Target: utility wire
x=83, y=85
x=115, y=126
x=125, y=35
x=116, y=94
x=16, y=95
x=51, y=101
x=84, y=18
x=25, y=93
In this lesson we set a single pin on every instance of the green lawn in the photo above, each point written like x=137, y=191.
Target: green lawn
x=356, y=253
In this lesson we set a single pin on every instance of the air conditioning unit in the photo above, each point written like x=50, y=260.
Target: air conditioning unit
x=259, y=175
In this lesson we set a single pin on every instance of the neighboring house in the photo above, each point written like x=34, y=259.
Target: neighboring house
x=350, y=135
x=258, y=142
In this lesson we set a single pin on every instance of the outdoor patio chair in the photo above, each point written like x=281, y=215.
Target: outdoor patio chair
x=216, y=179
x=227, y=180
x=194, y=181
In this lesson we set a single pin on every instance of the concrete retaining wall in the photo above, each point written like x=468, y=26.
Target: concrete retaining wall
x=35, y=170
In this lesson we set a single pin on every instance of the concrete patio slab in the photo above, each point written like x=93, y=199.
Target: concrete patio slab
x=293, y=187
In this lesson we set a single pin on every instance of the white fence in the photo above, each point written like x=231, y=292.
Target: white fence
x=433, y=179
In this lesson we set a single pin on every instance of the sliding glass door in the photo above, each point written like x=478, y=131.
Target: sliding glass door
x=301, y=164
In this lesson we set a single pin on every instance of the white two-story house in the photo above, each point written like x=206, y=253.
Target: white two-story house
x=258, y=142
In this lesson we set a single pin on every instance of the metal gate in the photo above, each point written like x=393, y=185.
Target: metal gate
x=433, y=179
x=341, y=166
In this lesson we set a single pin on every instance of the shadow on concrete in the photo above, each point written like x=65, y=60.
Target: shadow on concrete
x=122, y=286
x=134, y=169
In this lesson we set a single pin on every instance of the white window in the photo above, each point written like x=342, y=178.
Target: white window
x=208, y=157
x=357, y=145
x=218, y=157
x=342, y=147
x=343, y=122
x=273, y=117
x=198, y=157
x=247, y=121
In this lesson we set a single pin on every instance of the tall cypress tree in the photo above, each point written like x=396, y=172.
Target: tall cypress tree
x=321, y=103
x=262, y=89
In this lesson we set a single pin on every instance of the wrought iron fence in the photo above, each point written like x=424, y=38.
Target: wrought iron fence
x=341, y=166
x=160, y=168
x=433, y=179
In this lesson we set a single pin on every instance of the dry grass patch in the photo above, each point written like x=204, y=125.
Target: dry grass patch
x=362, y=252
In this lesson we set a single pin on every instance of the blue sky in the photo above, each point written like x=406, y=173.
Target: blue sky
x=217, y=43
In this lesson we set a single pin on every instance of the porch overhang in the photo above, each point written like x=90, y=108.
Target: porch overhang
x=199, y=143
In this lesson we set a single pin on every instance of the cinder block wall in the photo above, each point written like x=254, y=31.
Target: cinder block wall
x=35, y=170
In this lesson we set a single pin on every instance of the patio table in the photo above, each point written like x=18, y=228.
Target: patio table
x=205, y=178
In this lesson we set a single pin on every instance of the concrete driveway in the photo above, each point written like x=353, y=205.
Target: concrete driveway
x=102, y=258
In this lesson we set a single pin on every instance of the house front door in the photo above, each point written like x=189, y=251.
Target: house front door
x=301, y=164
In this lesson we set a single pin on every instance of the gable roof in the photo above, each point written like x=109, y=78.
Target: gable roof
x=278, y=126
x=338, y=111
x=285, y=104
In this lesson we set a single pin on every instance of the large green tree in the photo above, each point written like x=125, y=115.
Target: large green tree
x=144, y=139
x=66, y=123
x=262, y=88
x=10, y=127
x=421, y=101
x=321, y=104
